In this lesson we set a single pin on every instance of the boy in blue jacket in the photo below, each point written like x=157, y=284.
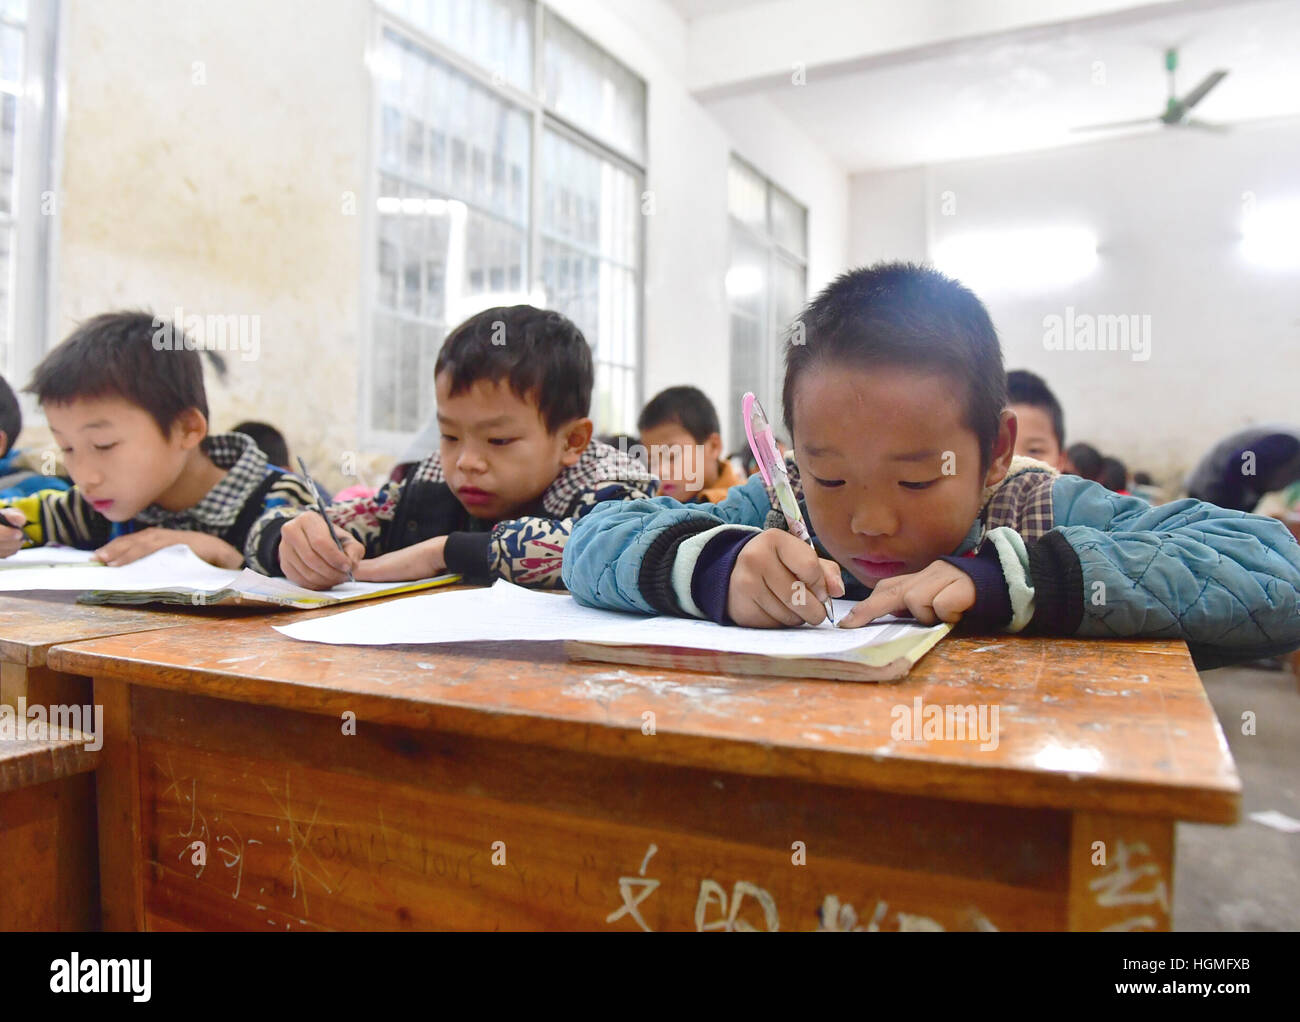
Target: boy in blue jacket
x=904, y=467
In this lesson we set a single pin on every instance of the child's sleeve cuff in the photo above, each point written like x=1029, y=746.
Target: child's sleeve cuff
x=1004, y=597
x=469, y=554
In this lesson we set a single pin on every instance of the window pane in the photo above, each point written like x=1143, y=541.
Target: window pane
x=497, y=34
x=8, y=137
x=788, y=292
x=6, y=287
x=11, y=56
x=589, y=202
x=585, y=85
x=451, y=224
x=441, y=130
x=747, y=196
x=789, y=222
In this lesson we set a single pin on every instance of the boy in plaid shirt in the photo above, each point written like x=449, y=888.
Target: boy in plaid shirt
x=131, y=418
x=516, y=467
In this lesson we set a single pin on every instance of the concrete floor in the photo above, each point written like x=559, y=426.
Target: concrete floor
x=1247, y=877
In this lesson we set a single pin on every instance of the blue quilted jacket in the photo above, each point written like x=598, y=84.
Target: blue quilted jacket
x=1069, y=558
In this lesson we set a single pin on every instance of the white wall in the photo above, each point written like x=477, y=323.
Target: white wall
x=226, y=197
x=1167, y=210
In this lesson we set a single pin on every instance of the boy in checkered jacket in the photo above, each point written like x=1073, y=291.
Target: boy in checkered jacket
x=125, y=401
x=516, y=467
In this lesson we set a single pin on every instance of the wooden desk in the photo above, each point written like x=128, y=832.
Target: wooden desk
x=505, y=787
x=30, y=623
x=49, y=876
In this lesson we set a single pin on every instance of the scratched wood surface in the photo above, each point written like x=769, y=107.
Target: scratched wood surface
x=30, y=623
x=258, y=818
x=1121, y=727
x=48, y=871
x=25, y=762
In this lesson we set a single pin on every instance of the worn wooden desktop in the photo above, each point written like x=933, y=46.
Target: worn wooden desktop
x=49, y=873
x=501, y=786
x=30, y=623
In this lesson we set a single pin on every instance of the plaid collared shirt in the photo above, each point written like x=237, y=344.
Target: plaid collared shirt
x=599, y=463
x=220, y=507
x=68, y=518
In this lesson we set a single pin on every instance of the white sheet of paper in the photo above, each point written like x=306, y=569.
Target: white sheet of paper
x=36, y=556
x=174, y=568
x=507, y=612
x=249, y=582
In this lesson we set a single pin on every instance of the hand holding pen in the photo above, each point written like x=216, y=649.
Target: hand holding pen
x=320, y=507
x=772, y=466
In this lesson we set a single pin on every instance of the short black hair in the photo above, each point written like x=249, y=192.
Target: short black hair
x=689, y=407
x=1113, y=474
x=912, y=317
x=269, y=439
x=11, y=417
x=541, y=355
x=145, y=360
x=1026, y=388
x=1086, y=458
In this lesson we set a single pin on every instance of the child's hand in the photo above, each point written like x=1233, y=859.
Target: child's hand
x=11, y=540
x=779, y=581
x=422, y=560
x=309, y=557
x=135, y=545
x=941, y=592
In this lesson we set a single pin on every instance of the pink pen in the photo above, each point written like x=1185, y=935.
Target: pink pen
x=772, y=466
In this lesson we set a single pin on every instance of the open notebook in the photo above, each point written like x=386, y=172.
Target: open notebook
x=506, y=612
x=176, y=574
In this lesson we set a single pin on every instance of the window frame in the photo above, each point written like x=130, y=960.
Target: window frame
x=775, y=252
x=38, y=168
x=542, y=117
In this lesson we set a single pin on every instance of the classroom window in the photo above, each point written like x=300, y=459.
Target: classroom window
x=495, y=184
x=28, y=48
x=766, y=287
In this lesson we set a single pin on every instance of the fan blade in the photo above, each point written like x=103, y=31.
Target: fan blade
x=1112, y=125
x=1199, y=93
x=1192, y=122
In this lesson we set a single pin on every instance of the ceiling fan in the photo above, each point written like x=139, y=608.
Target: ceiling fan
x=1176, y=110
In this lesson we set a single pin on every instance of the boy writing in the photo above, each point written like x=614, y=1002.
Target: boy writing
x=515, y=467
x=132, y=422
x=904, y=463
x=679, y=428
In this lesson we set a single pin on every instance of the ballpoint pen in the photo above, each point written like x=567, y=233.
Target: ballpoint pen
x=772, y=465
x=320, y=506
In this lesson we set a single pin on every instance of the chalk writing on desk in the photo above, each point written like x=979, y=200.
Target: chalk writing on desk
x=229, y=844
x=630, y=902
x=300, y=842
x=1118, y=886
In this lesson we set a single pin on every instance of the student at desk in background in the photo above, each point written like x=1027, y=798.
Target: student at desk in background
x=516, y=465
x=1040, y=422
x=132, y=421
x=18, y=476
x=680, y=432
x=903, y=461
